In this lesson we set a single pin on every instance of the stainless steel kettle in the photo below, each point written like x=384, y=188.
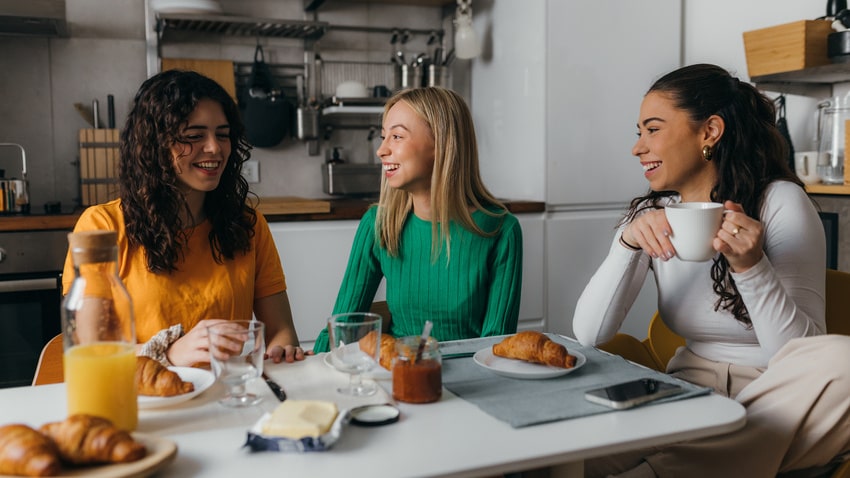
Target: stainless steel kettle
x=14, y=193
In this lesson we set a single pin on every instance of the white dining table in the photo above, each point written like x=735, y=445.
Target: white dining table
x=448, y=438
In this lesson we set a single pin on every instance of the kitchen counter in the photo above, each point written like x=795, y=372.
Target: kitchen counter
x=341, y=209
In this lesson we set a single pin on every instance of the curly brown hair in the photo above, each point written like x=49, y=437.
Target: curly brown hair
x=151, y=200
x=748, y=157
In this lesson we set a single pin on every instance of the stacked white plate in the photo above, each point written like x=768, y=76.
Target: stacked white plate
x=186, y=6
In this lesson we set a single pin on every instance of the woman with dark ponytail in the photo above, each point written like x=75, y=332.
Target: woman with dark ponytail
x=753, y=316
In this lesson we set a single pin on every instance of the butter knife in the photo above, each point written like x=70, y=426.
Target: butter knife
x=457, y=355
x=275, y=387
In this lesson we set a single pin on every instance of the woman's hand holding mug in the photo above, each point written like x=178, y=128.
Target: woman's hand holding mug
x=696, y=231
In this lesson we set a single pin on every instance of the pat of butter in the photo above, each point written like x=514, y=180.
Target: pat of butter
x=301, y=418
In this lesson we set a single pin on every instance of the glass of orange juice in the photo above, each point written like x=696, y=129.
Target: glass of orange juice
x=99, y=333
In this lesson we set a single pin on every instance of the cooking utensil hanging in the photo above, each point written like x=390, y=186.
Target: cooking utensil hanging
x=782, y=126
x=110, y=111
x=266, y=111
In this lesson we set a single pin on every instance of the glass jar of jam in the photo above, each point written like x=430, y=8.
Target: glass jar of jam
x=417, y=381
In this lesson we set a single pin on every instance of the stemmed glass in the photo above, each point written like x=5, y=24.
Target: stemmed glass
x=349, y=354
x=236, y=356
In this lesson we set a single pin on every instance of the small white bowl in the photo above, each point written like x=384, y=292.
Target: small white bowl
x=186, y=6
x=351, y=89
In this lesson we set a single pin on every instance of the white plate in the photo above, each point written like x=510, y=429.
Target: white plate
x=186, y=6
x=520, y=368
x=200, y=378
x=377, y=373
x=160, y=452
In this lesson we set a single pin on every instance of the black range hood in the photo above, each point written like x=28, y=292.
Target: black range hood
x=39, y=18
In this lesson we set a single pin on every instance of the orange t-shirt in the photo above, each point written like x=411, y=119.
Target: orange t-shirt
x=200, y=288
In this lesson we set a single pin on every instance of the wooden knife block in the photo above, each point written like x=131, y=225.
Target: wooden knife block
x=98, y=165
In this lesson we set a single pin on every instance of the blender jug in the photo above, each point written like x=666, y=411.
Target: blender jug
x=832, y=117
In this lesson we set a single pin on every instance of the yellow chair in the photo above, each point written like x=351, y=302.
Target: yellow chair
x=661, y=343
x=50, y=368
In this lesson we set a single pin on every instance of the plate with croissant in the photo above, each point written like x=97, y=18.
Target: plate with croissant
x=159, y=386
x=81, y=445
x=529, y=355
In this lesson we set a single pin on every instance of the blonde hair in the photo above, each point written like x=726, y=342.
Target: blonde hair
x=455, y=181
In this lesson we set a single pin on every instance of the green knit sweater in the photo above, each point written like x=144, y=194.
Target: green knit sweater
x=477, y=294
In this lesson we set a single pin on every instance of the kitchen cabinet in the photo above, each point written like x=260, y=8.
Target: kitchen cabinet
x=314, y=255
x=555, y=106
x=576, y=243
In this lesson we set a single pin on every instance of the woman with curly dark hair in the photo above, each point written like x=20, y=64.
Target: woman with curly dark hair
x=192, y=251
x=753, y=316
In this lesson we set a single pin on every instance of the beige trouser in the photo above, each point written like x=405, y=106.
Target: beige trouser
x=798, y=415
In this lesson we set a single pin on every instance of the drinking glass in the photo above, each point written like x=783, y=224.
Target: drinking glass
x=236, y=356
x=351, y=356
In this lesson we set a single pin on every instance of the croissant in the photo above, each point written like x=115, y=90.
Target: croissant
x=152, y=378
x=25, y=451
x=388, y=351
x=534, y=347
x=86, y=439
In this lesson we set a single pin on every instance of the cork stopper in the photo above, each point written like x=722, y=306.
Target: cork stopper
x=93, y=246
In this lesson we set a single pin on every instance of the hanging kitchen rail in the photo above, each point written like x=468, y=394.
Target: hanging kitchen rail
x=239, y=26
x=388, y=30
x=231, y=25
x=314, y=5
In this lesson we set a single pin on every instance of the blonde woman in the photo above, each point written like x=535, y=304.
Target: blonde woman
x=450, y=252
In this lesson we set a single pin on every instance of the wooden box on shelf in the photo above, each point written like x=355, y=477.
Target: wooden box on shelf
x=98, y=165
x=788, y=47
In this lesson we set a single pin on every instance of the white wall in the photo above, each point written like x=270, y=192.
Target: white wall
x=714, y=34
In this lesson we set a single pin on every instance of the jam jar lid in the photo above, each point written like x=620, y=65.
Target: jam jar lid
x=374, y=415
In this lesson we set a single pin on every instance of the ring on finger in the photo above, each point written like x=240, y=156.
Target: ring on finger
x=735, y=231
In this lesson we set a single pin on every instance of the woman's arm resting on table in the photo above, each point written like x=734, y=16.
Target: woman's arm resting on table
x=281, y=338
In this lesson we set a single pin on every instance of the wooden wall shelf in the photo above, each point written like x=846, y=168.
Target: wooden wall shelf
x=832, y=189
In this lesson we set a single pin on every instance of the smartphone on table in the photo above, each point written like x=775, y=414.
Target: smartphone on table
x=632, y=393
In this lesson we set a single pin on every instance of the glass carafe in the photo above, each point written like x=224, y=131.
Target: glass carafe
x=99, y=333
x=832, y=119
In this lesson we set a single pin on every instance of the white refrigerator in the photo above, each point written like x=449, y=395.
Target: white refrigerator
x=555, y=97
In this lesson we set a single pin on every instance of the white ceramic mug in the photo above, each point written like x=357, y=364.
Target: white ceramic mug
x=806, y=166
x=694, y=226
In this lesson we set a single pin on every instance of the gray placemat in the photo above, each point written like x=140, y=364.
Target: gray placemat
x=522, y=402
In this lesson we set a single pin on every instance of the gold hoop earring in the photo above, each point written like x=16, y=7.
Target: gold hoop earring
x=706, y=153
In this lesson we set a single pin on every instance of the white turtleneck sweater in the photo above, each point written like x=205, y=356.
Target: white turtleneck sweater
x=784, y=292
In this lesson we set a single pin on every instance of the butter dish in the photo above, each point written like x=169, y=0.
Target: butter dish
x=256, y=441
